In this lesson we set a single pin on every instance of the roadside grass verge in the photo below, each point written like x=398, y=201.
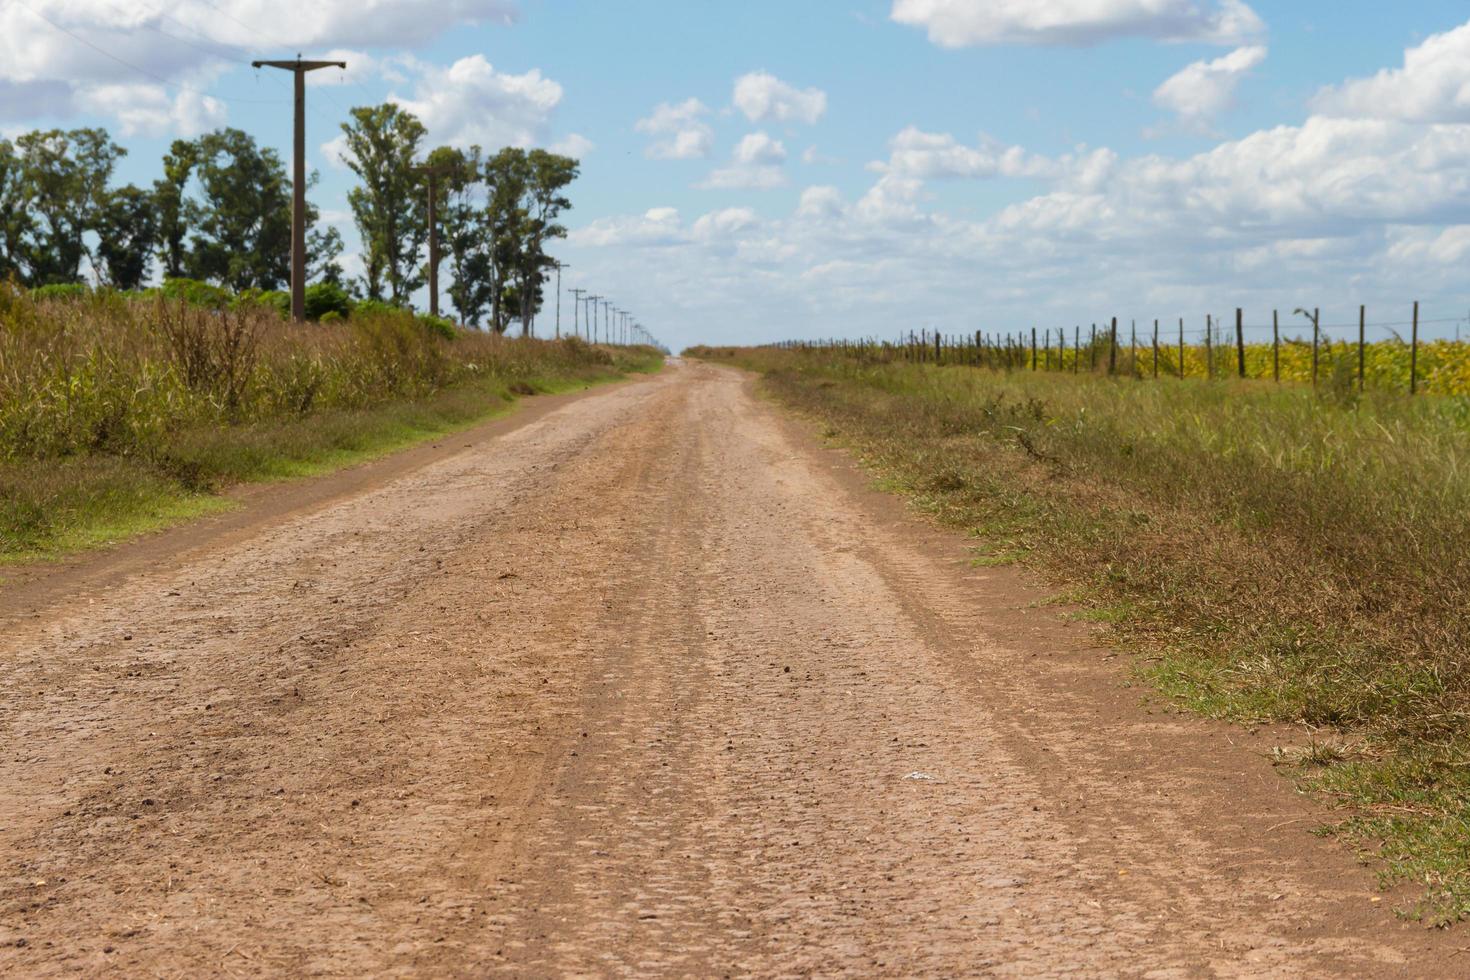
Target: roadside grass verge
x=119, y=416
x=1280, y=554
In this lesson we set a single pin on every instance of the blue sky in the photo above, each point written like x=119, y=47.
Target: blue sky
x=865, y=167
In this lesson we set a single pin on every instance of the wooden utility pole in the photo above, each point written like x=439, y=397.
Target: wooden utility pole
x=558, y=298
x=576, y=305
x=592, y=302
x=298, y=182
x=433, y=173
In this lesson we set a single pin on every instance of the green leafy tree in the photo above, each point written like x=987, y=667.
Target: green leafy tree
x=506, y=176
x=168, y=198
x=65, y=176
x=389, y=207
x=241, y=220
x=127, y=230
x=544, y=200
x=15, y=214
x=462, y=230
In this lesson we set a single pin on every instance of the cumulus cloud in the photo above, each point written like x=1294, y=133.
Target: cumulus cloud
x=966, y=23
x=755, y=165
x=915, y=153
x=763, y=97
x=1432, y=86
x=149, y=110
x=1201, y=91
x=682, y=133
x=53, y=48
x=470, y=102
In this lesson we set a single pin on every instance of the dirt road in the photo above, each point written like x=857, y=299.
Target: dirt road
x=647, y=685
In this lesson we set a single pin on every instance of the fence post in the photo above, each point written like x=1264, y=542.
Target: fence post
x=1181, y=348
x=1092, y=347
x=1113, y=348
x=1276, y=346
x=1209, y=347
x=1239, y=342
x=1316, y=341
x=1077, y=348
x=1033, y=348
x=1362, y=343
x=1156, y=350
x=938, y=348
x=1414, y=354
x=1133, y=348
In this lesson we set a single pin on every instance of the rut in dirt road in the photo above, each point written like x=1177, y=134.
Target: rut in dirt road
x=647, y=686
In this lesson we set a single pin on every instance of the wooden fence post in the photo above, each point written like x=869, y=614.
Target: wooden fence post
x=1181, y=347
x=1113, y=348
x=1156, y=350
x=1092, y=347
x=1362, y=344
x=1033, y=348
x=1239, y=342
x=1276, y=346
x=1133, y=348
x=1316, y=341
x=1414, y=354
x=1209, y=347
x=1077, y=348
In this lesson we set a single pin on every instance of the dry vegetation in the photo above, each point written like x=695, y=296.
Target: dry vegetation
x=1277, y=553
x=117, y=413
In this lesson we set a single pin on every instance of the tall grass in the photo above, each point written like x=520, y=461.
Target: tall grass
x=1285, y=554
x=115, y=410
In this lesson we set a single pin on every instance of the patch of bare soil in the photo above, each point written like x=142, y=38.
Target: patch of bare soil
x=647, y=684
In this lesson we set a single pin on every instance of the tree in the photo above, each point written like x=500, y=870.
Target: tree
x=390, y=207
x=546, y=177
x=15, y=215
x=65, y=177
x=168, y=198
x=127, y=230
x=462, y=230
x=242, y=219
x=323, y=249
x=506, y=175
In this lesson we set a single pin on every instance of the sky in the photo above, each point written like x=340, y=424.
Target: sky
x=769, y=169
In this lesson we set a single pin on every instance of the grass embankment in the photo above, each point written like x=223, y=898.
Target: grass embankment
x=1276, y=553
x=119, y=415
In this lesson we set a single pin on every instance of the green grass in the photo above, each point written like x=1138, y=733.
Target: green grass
x=118, y=417
x=1276, y=554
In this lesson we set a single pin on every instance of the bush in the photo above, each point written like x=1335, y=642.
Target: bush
x=198, y=293
x=323, y=298
x=331, y=316
x=61, y=290
x=438, y=326
x=269, y=299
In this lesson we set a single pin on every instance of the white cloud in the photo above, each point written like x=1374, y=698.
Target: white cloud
x=573, y=145
x=725, y=224
x=1201, y=91
x=53, y=47
x=964, y=23
x=755, y=165
x=914, y=153
x=763, y=97
x=684, y=135
x=1432, y=86
x=149, y=110
x=470, y=102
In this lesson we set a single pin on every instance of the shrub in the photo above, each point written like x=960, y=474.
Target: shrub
x=326, y=297
x=61, y=290
x=197, y=293
x=438, y=326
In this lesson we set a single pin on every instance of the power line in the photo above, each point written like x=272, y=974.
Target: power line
x=143, y=71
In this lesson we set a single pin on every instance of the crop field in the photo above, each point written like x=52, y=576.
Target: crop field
x=120, y=413
x=1273, y=552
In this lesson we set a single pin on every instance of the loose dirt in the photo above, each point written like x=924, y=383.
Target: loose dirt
x=645, y=683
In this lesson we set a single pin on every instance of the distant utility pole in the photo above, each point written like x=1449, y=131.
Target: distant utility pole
x=592, y=302
x=433, y=173
x=298, y=183
x=558, y=298
x=576, y=305
x=607, y=309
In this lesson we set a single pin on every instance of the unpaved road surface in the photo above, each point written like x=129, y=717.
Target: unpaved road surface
x=648, y=684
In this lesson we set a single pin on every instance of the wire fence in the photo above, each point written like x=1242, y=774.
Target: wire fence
x=1300, y=348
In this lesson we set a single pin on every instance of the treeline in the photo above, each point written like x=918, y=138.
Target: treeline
x=221, y=214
